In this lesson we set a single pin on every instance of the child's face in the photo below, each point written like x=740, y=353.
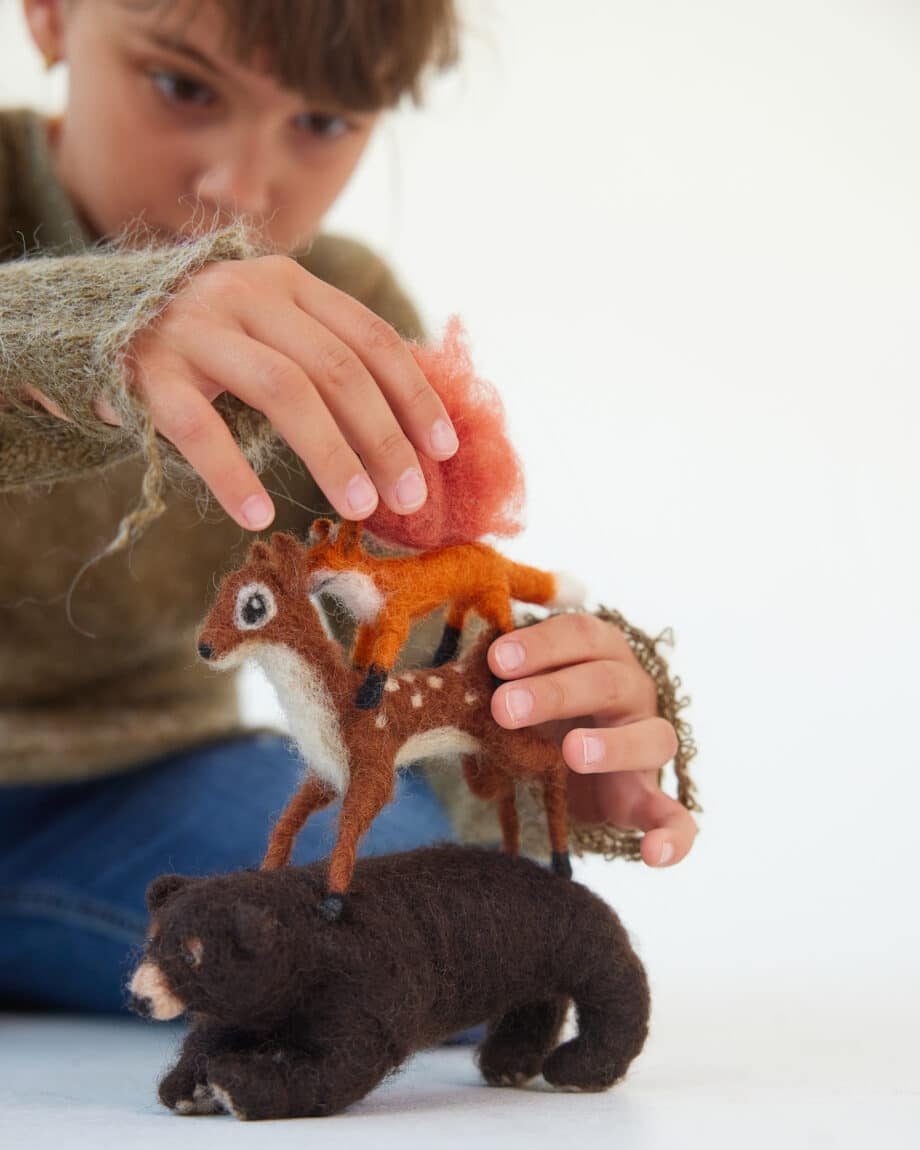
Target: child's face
x=186, y=138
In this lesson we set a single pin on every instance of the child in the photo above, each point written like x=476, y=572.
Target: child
x=221, y=325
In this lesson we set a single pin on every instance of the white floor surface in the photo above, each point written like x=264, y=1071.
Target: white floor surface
x=822, y=1069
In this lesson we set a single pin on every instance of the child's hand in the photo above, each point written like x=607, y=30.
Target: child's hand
x=576, y=666
x=335, y=380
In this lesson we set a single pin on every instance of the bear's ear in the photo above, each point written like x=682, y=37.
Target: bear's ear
x=256, y=928
x=163, y=888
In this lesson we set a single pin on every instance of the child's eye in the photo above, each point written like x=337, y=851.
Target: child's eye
x=324, y=125
x=181, y=89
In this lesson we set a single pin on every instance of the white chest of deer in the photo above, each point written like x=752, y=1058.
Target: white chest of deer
x=311, y=712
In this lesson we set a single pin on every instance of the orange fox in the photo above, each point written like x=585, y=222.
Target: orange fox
x=385, y=594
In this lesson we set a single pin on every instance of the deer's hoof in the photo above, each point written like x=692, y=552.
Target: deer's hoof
x=332, y=906
x=561, y=864
x=371, y=690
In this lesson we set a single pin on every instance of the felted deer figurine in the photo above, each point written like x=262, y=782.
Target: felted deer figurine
x=263, y=611
x=385, y=593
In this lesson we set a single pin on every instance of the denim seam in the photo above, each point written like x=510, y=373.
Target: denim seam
x=58, y=906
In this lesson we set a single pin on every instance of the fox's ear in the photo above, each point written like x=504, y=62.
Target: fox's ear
x=321, y=529
x=349, y=537
x=259, y=552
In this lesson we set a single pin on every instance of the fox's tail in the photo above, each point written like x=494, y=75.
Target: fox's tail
x=547, y=588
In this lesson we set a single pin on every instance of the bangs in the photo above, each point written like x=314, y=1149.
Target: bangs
x=357, y=55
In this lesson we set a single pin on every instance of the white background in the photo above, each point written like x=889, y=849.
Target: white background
x=684, y=239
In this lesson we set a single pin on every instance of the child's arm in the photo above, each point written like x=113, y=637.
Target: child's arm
x=131, y=348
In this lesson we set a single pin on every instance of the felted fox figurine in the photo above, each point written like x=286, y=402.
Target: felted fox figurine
x=386, y=593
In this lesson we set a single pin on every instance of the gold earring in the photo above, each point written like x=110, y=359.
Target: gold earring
x=50, y=61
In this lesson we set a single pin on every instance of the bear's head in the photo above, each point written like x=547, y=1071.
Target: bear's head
x=221, y=947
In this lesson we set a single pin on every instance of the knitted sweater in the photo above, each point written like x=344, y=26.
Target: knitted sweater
x=98, y=666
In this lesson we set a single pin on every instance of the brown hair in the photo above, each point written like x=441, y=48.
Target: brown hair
x=360, y=55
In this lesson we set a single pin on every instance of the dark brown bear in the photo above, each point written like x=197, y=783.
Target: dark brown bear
x=293, y=1015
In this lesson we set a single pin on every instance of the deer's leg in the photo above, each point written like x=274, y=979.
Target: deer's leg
x=508, y=817
x=555, y=799
x=364, y=799
x=450, y=638
x=312, y=796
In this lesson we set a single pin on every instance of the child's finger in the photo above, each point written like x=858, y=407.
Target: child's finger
x=413, y=400
x=351, y=394
x=182, y=414
x=558, y=641
x=670, y=830
x=641, y=746
x=603, y=689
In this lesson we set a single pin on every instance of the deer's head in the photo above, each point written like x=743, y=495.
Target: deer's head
x=264, y=602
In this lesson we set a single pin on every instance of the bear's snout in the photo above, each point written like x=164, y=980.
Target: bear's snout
x=151, y=996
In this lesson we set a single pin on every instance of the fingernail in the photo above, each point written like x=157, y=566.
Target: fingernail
x=410, y=489
x=361, y=494
x=257, y=511
x=443, y=437
x=509, y=656
x=519, y=703
x=667, y=853
x=592, y=748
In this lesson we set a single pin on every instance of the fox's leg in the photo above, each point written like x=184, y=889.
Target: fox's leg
x=555, y=799
x=312, y=796
x=364, y=646
x=494, y=605
x=391, y=632
x=366, y=796
x=453, y=630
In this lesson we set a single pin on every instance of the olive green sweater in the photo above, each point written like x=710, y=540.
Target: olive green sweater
x=98, y=666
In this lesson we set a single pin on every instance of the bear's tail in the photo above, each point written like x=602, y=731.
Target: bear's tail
x=613, y=1015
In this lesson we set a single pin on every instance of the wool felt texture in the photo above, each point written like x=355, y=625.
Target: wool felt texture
x=294, y=1016
x=386, y=594
x=97, y=666
x=263, y=611
x=480, y=489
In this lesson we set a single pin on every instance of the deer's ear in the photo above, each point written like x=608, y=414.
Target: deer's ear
x=259, y=552
x=349, y=537
x=320, y=529
x=284, y=544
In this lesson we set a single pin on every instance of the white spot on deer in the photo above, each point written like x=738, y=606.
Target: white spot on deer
x=391, y=684
x=470, y=697
x=435, y=682
x=381, y=721
x=435, y=743
x=416, y=700
x=407, y=677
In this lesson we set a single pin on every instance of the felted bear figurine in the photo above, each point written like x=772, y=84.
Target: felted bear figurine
x=291, y=1018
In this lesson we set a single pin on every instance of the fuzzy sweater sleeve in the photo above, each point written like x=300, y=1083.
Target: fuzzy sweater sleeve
x=65, y=325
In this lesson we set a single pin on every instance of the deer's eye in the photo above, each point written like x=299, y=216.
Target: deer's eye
x=255, y=606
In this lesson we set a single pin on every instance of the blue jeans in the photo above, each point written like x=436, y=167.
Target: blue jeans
x=76, y=858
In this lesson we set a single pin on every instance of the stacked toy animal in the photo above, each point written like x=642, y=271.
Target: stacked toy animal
x=292, y=1016
x=302, y=1000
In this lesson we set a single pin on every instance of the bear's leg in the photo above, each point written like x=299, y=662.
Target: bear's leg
x=185, y=1088
x=285, y=1083
x=612, y=1028
x=514, y=1049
